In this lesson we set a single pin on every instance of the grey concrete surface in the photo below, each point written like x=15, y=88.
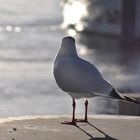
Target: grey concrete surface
x=100, y=127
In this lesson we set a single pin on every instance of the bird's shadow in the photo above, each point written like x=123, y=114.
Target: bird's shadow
x=107, y=137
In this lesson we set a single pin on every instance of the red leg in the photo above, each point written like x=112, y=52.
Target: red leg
x=86, y=109
x=73, y=115
x=73, y=122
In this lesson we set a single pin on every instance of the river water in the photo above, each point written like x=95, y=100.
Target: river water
x=30, y=35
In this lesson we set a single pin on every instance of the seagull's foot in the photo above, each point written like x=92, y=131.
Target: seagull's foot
x=73, y=122
x=69, y=123
x=82, y=120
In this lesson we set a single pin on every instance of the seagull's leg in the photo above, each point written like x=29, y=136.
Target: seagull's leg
x=73, y=121
x=86, y=109
x=73, y=114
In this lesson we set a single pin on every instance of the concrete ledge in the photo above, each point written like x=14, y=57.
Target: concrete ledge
x=100, y=127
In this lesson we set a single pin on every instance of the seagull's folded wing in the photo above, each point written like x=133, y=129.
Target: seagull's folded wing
x=77, y=75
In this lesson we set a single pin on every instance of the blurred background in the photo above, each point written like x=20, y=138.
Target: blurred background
x=107, y=34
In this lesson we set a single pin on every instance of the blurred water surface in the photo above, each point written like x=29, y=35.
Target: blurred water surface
x=30, y=35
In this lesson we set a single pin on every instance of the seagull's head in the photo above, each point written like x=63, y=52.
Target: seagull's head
x=68, y=40
x=68, y=46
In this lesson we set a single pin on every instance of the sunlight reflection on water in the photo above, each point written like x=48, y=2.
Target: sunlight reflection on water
x=29, y=42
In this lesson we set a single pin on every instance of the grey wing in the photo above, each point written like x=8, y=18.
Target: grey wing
x=77, y=75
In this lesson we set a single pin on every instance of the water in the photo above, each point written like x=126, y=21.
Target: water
x=30, y=35
x=29, y=41
x=118, y=61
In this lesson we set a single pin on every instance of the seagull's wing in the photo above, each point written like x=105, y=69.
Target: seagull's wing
x=76, y=75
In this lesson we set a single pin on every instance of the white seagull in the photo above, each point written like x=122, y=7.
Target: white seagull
x=81, y=79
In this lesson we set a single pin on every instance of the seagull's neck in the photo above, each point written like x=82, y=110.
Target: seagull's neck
x=67, y=50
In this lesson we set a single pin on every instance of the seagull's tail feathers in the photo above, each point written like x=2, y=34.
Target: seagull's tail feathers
x=130, y=99
x=117, y=95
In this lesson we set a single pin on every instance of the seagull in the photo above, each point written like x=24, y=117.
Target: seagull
x=81, y=79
